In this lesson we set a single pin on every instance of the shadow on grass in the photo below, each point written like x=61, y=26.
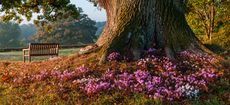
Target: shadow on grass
x=215, y=48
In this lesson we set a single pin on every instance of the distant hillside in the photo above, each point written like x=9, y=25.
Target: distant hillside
x=27, y=30
x=100, y=26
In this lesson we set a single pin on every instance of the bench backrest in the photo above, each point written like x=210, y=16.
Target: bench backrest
x=41, y=49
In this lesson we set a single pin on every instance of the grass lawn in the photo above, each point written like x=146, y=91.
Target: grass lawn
x=17, y=55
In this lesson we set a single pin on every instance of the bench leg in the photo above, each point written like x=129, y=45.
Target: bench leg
x=24, y=59
x=30, y=58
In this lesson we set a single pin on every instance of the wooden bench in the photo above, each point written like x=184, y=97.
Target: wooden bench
x=40, y=49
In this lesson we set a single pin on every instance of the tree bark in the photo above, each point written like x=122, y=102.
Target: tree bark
x=136, y=25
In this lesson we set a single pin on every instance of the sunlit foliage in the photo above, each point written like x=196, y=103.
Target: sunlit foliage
x=47, y=10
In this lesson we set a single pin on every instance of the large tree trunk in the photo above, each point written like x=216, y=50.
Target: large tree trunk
x=140, y=24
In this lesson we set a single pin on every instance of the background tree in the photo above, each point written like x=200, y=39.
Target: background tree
x=27, y=30
x=68, y=31
x=100, y=26
x=9, y=35
x=222, y=35
x=210, y=21
x=202, y=14
x=47, y=10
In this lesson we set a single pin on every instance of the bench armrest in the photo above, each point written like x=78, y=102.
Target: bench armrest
x=25, y=50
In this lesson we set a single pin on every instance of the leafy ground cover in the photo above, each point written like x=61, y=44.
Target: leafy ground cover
x=195, y=79
x=17, y=55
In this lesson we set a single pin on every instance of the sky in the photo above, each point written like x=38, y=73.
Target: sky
x=93, y=12
x=88, y=8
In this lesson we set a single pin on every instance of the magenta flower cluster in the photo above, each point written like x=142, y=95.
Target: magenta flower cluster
x=46, y=75
x=155, y=76
x=168, y=84
x=114, y=56
x=198, y=57
x=151, y=50
x=95, y=86
x=160, y=63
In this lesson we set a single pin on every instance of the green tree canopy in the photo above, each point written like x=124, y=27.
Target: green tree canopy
x=47, y=10
x=210, y=20
x=27, y=30
x=9, y=34
x=68, y=31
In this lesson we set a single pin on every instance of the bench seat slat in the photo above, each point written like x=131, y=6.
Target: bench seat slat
x=42, y=49
x=42, y=54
